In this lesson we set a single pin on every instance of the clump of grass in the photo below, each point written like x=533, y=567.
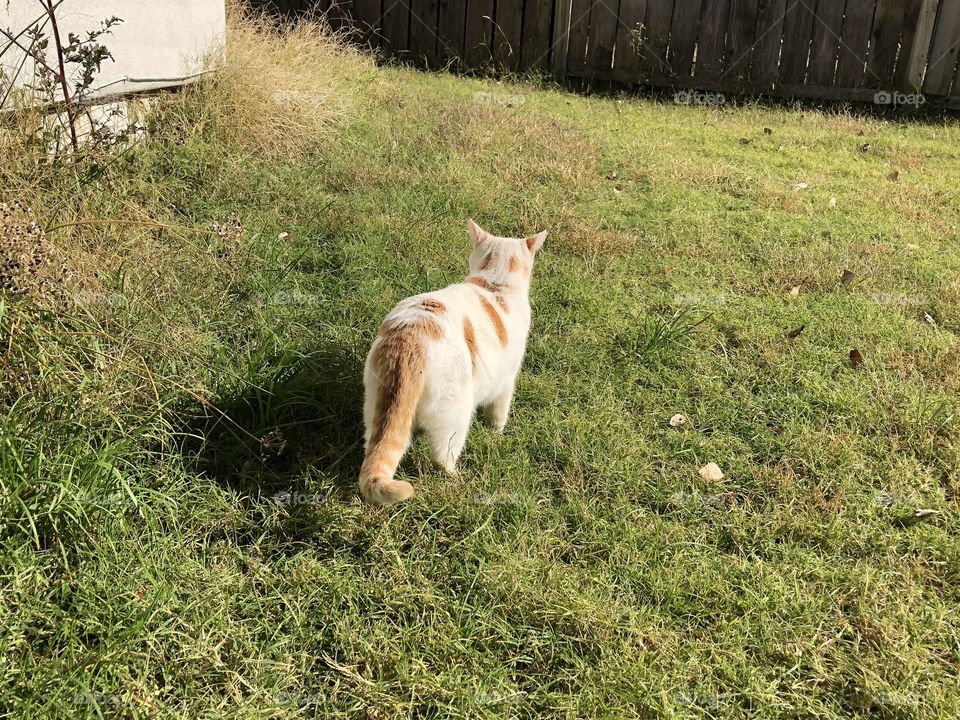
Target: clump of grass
x=656, y=335
x=279, y=90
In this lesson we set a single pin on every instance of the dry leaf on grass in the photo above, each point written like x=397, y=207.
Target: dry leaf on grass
x=711, y=472
x=795, y=291
x=800, y=186
x=795, y=332
x=856, y=358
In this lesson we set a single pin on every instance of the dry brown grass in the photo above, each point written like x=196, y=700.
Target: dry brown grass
x=280, y=90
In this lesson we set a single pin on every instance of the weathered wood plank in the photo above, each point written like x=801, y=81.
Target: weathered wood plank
x=396, y=18
x=683, y=35
x=478, y=48
x=367, y=17
x=577, y=37
x=766, y=51
x=797, y=31
x=601, y=38
x=825, y=42
x=740, y=35
x=451, y=29
x=657, y=33
x=712, y=40
x=857, y=22
x=915, y=45
x=955, y=92
x=884, y=43
x=536, y=41
x=508, y=24
x=561, y=39
x=423, y=31
x=943, y=52
x=340, y=14
x=626, y=61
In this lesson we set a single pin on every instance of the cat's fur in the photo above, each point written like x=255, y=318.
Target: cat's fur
x=441, y=355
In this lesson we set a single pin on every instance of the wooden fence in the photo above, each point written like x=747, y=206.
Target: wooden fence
x=902, y=51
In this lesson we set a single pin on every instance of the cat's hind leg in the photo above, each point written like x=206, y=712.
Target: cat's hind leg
x=498, y=411
x=446, y=429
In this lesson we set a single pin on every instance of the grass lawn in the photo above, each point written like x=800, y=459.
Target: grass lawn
x=182, y=535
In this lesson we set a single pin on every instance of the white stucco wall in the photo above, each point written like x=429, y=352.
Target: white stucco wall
x=159, y=42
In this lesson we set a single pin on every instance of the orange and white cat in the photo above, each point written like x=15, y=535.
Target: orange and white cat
x=441, y=355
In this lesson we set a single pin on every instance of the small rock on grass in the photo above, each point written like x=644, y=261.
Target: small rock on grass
x=711, y=472
x=678, y=420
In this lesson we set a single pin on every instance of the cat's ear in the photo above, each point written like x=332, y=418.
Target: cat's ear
x=477, y=233
x=535, y=242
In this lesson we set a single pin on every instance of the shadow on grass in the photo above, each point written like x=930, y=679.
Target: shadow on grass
x=291, y=425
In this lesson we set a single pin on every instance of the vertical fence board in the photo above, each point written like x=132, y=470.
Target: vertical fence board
x=943, y=52
x=601, y=38
x=450, y=31
x=478, y=47
x=885, y=40
x=766, y=52
x=797, y=29
x=956, y=85
x=683, y=36
x=825, y=42
x=856, y=36
x=508, y=24
x=396, y=18
x=915, y=45
x=577, y=42
x=740, y=35
x=423, y=31
x=561, y=39
x=626, y=61
x=536, y=41
x=710, y=44
x=653, y=59
x=340, y=14
x=367, y=16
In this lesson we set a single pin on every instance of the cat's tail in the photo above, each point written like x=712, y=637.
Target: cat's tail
x=399, y=361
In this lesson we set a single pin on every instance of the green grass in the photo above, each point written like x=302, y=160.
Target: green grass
x=179, y=450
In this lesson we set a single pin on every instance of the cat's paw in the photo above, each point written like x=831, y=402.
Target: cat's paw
x=447, y=468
